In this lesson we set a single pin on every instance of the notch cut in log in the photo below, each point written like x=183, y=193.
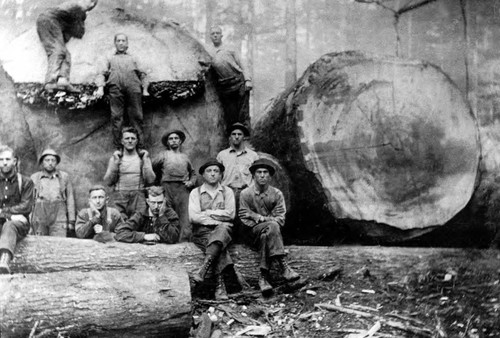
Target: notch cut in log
x=374, y=139
x=112, y=303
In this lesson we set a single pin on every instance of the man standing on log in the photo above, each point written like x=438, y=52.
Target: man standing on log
x=54, y=210
x=129, y=171
x=98, y=217
x=159, y=223
x=233, y=83
x=262, y=210
x=212, y=211
x=55, y=27
x=177, y=178
x=237, y=160
x=16, y=201
x=127, y=83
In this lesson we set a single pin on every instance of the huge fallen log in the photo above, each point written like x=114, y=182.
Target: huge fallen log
x=118, y=303
x=376, y=140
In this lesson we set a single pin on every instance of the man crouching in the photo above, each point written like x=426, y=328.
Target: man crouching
x=262, y=210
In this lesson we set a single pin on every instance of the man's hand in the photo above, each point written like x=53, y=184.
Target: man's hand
x=143, y=153
x=71, y=225
x=116, y=156
x=97, y=228
x=249, y=215
x=151, y=238
x=99, y=93
x=188, y=184
x=96, y=214
x=145, y=92
x=248, y=85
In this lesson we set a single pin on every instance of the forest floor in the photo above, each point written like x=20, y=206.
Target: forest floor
x=334, y=303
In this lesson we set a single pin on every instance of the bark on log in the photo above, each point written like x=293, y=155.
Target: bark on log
x=118, y=303
x=374, y=139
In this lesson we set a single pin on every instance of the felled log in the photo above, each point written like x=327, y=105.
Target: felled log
x=118, y=303
x=41, y=255
x=373, y=139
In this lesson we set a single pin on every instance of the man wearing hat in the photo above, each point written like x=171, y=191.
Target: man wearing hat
x=54, y=210
x=262, y=210
x=177, y=178
x=237, y=159
x=211, y=212
x=129, y=172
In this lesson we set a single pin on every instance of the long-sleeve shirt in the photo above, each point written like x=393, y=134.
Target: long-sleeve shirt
x=123, y=70
x=211, y=208
x=165, y=225
x=174, y=167
x=110, y=218
x=71, y=18
x=14, y=201
x=123, y=176
x=55, y=187
x=270, y=204
x=227, y=63
x=237, y=164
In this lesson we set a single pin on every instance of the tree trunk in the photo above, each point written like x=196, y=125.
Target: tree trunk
x=373, y=139
x=118, y=303
x=291, y=44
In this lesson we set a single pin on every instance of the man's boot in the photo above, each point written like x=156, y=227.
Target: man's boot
x=64, y=84
x=4, y=262
x=199, y=276
x=220, y=289
x=286, y=271
x=264, y=286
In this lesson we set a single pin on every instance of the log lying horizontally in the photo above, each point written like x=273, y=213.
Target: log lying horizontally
x=375, y=139
x=118, y=303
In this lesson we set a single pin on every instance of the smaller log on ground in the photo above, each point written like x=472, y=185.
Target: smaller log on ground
x=119, y=303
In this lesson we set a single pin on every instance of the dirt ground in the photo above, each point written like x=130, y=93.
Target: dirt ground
x=458, y=301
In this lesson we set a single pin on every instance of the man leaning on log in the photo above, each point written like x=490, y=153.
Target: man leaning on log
x=55, y=27
x=262, y=211
x=159, y=223
x=16, y=202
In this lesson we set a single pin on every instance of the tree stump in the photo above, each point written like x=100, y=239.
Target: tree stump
x=372, y=139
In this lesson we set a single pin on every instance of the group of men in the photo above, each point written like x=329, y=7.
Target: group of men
x=235, y=191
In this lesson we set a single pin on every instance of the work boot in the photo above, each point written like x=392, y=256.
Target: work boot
x=264, y=286
x=199, y=276
x=4, y=263
x=220, y=289
x=63, y=84
x=286, y=271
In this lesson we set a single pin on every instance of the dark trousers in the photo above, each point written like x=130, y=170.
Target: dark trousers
x=266, y=237
x=127, y=202
x=11, y=233
x=123, y=99
x=204, y=236
x=58, y=57
x=236, y=106
x=238, y=230
x=178, y=195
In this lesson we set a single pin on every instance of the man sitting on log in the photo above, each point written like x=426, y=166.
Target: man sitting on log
x=237, y=160
x=129, y=171
x=98, y=218
x=211, y=212
x=177, y=178
x=262, y=210
x=55, y=27
x=54, y=210
x=16, y=201
x=159, y=223
x=233, y=84
x=127, y=83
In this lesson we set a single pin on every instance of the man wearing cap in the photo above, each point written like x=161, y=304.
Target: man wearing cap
x=237, y=160
x=159, y=223
x=177, y=178
x=54, y=210
x=262, y=210
x=212, y=211
x=233, y=83
x=98, y=219
x=129, y=172
x=16, y=201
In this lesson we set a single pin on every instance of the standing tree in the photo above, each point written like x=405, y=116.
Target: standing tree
x=291, y=44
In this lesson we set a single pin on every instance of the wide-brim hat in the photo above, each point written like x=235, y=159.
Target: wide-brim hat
x=209, y=163
x=239, y=126
x=262, y=163
x=164, y=138
x=47, y=152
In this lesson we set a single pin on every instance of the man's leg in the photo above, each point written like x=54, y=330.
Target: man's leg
x=51, y=37
x=11, y=233
x=135, y=114
x=178, y=194
x=117, y=107
x=58, y=227
x=244, y=109
x=120, y=202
